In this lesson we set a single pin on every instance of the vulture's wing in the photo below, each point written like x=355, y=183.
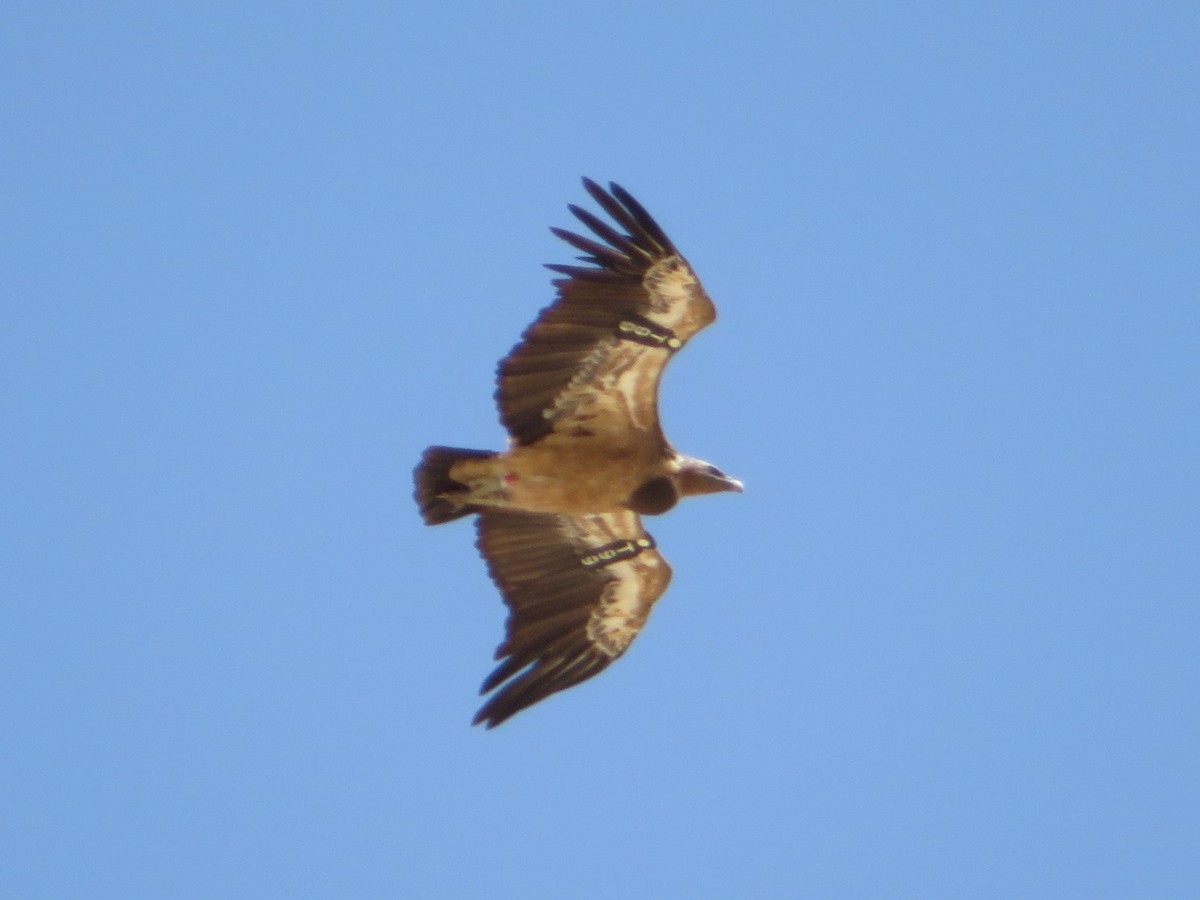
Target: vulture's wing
x=579, y=589
x=590, y=365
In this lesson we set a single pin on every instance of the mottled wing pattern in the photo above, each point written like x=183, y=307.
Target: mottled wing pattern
x=578, y=588
x=592, y=361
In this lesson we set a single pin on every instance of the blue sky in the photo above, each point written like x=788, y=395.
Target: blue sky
x=256, y=256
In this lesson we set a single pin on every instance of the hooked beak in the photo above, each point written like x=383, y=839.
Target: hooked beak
x=714, y=484
x=698, y=477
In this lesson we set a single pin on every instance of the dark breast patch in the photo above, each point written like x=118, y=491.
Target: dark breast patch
x=654, y=497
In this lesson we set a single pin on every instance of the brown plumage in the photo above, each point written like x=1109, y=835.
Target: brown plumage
x=559, y=511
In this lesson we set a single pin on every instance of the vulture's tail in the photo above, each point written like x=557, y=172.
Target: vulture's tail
x=435, y=487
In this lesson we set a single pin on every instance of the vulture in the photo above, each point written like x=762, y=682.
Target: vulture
x=559, y=513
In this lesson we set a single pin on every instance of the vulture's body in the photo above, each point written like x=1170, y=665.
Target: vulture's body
x=559, y=511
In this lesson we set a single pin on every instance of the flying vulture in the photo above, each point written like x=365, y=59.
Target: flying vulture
x=559, y=512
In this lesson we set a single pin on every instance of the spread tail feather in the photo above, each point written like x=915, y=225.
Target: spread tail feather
x=433, y=481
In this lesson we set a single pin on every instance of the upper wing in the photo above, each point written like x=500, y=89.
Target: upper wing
x=591, y=362
x=579, y=589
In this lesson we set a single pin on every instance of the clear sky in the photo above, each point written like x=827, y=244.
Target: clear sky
x=256, y=256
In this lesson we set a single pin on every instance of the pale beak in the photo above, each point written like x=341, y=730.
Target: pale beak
x=730, y=484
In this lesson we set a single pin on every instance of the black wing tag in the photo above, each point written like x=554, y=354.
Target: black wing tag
x=641, y=330
x=617, y=551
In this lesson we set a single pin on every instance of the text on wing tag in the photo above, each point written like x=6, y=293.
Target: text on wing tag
x=641, y=330
x=607, y=554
